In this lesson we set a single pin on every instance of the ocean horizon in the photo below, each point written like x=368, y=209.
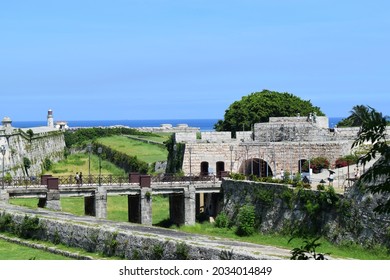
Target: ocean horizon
x=202, y=124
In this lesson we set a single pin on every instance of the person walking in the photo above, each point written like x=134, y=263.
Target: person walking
x=77, y=178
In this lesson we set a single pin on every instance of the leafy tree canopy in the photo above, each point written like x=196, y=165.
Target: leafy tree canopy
x=377, y=178
x=260, y=106
x=355, y=119
x=358, y=114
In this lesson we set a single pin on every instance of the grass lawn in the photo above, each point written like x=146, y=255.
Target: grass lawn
x=117, y=207
x=12, y=251
x=148, y=153
x=159, y=137
x=80, y=162
x=348, y=251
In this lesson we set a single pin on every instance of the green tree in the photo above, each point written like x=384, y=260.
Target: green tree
x=30, y=134
x=377, y=178
x=355, y=119
x=260, y=106
x=26, y=164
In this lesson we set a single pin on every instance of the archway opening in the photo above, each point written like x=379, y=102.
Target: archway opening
x=257, y=167
x=220, y=166
x=204, y=168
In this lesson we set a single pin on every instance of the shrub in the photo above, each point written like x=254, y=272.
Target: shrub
x=237, y=176
x=6, y=223
x=321, y=187
x=29, y=228
x=182, y=251
x=317, y=164
x=246, y=220
x=47, y=164
x=222, y=220
x=346, y=160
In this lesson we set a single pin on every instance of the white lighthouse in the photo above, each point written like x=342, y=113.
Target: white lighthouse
x=50, y=120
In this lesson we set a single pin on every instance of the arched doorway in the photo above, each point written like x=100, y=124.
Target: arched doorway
x=303, y=165
x=261, y=168
x=220, y=166
x=204, y=168
x=257, y=167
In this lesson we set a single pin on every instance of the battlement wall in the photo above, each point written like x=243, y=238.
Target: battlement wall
x=44, y=143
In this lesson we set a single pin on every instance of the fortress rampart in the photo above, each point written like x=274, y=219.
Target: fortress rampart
x=43, y=143
x=282, y=143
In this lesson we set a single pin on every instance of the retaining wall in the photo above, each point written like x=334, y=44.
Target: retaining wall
x=113, y=241
x=342, y=219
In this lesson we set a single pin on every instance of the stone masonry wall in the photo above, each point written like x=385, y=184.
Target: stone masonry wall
x=341, y=220
x=111, y=241
x=279, y=155
x=46, y=145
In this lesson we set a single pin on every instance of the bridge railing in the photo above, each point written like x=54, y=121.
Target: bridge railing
x=20, y=182
x=93, y=180
x=174, y=178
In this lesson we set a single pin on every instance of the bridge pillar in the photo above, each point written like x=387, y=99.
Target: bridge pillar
x=146, y=206
x=190, y=206
x=4, y=196
x=140, y=207
x=182, y=207
x=101, y=203
x=53, y=200
x=96, y=205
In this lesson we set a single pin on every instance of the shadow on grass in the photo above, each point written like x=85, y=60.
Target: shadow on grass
x=167, y=223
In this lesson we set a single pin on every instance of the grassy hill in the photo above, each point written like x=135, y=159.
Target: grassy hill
x=79, y=163
x=146, y=152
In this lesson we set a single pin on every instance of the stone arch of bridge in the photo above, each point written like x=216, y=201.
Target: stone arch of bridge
x=256, y=166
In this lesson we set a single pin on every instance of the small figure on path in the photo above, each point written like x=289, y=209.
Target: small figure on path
x=282, y=174
x=77, y=178
x=331, y=178
x=80, y=178
x=357, y=173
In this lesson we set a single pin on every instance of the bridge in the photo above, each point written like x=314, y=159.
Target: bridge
x=188, y=195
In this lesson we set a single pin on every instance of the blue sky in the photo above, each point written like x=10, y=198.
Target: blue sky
x=117, y=59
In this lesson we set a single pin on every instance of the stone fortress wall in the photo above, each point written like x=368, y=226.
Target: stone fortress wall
x=46, y=142
x=284, y=143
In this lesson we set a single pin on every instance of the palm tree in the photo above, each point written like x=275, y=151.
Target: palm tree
x=373, y=130
x=358, y=113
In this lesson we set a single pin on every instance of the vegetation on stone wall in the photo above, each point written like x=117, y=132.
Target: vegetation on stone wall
x=175, y=155
x=26, y=164
x=260, y=106
x=29, y=227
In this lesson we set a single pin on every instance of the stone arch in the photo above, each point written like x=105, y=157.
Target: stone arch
x=204, y=168
x=257, y=167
